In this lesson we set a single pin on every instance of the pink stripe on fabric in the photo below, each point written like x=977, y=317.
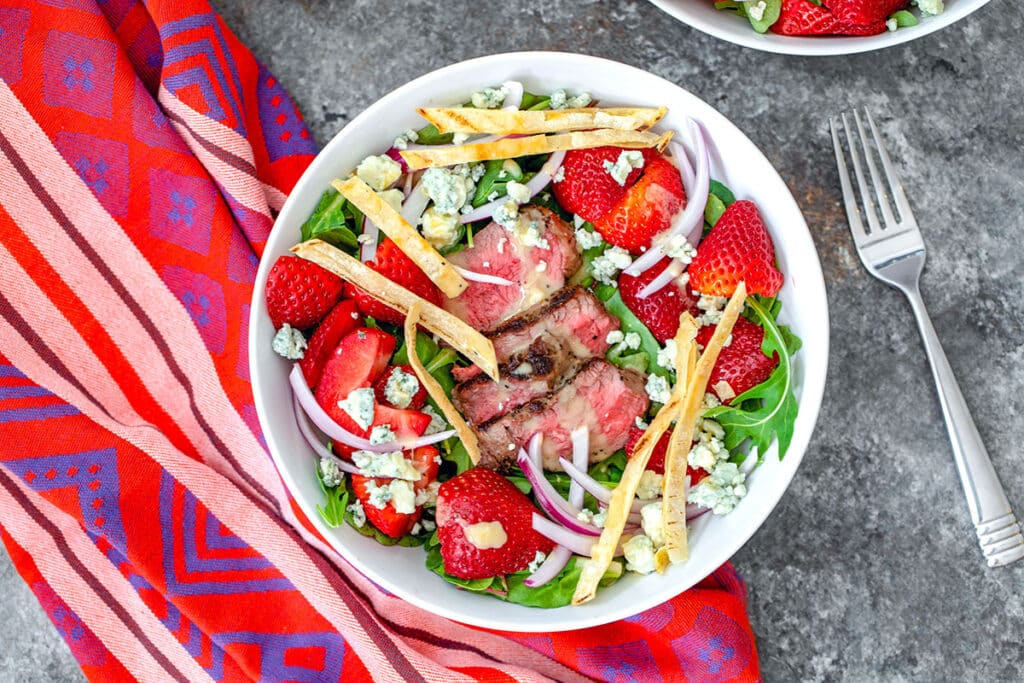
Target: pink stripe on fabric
x=244, y=187
x=83, y=600
x=275, y=198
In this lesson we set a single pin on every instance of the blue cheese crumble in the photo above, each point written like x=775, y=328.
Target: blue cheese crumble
x=517, y=191
x=713, y=307
x=359, y=406
x=330, y=473
x=507, y=215
x=379, y=172
x=399, y=493
x=289, y=342
x=393, y=198
x=400, y=388
x=357, y=512
x=710, y=447
x=606, y=266
x=930, y=7
x=620, y=169
x=756, y=9
x=536, y=562
x=657, y=389
x=650, y=485
x=667, y=356
x=440, y=230
x=391, y=465
x=639, y=553
x=721, y=490
x=489, y=98
x=437, y=422
x=449, y=189
x=588, y=239
x=403, y=140
x=652, y=523
x=560, y=100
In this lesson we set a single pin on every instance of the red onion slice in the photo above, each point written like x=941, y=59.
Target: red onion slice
x=368, y=251
x=580, y=458
x=556, y=507
x=474, y=276
x=692, y=216
x=335, y=431
x=415, y=204
x=693, y=511
x=314, y=442
x=596, y=488
x=577, y=543
x=553, y=563
x=534, y=185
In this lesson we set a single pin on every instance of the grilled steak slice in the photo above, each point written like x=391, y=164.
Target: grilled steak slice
x=537, y=271
x=604, y=398
x=545, y=366
x=572, y=320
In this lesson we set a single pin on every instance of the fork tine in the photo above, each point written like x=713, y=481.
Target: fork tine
x=876, y=181
x=895, y=186
x=867, y=203
x=849, y=198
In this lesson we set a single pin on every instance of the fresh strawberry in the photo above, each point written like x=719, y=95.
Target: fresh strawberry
x=417, y=400
x=388, y=520
x=356, y=362
x=737, y=248
x=342, y=319
x=656, y=463
x=392, y=263
x=646, y=209
x=865, y=12
x=497, y=516
x=804, y=18
x=299, y=292
x=742, y=364
x=406, y=424
x=659, y=311
x=427, y=460
x=587, y=189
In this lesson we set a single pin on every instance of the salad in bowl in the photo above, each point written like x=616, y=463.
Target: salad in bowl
x=534, y=338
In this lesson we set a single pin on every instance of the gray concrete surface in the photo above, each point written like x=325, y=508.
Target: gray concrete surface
x=868, y=569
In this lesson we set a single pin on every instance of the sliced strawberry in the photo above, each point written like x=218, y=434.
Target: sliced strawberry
x=342, y=319
x=356, y=362
x=417, y=400
x=392, y=263
x=865, y=12
x=742, y=364
x=804, y=18
x=657, y=460
x=587, y=189
x=389, y=521
x=646, y=209
x=299, y=292
x=406, y=424
x=428, y=461
x=485, y=526
x=659, y=311
x=737, y=248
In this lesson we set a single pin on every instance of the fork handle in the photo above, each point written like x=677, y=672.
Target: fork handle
x=999, y=534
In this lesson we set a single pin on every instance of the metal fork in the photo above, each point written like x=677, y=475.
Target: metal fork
x=892, y=250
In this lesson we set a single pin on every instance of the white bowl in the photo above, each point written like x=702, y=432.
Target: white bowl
x=702, y=15
x=713, y=539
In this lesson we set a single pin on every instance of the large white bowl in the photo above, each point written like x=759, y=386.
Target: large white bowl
x=748, y=173
x=702, y=15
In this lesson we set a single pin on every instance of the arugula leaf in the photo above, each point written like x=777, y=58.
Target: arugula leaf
x=766, y=18
x=767, y=411
x=333, y=511
x=630, y=323
x=331, y=219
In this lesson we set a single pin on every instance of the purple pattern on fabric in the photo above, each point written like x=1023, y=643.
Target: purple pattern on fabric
x=85, y=646
x=181, y=209
x=715, y=649
x=102, y=165
x=623, y=663
x=284, y=131
x=203, y=298
x=300, y=657
x=13, y=25
x=654, y=619
x=78, y=72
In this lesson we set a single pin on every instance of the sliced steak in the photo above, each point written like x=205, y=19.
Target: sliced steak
x=537, y=271
x=604, y=398
x=543, y=367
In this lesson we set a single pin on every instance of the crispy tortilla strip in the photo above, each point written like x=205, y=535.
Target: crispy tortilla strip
x=405, y=237
x=509, y=148
x=457, y=333
x=502, y=122
x=623, y=494
x=674, y=500
x=435, y=390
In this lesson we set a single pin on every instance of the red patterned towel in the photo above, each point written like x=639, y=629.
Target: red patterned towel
x=143, y=153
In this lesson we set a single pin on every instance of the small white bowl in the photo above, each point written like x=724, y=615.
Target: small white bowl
x=702, y=15
x=713, y=539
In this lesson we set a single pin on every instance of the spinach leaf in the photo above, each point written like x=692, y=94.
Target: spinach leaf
x=767, y=411
x=721, y=192
x=761, y=21
x=429, y=135
x=334, y=220
x=630, y=323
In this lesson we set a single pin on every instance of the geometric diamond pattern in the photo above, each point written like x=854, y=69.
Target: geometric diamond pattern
x=101, y=164
x=715, y=649
x=13, y=25
x=78, y=72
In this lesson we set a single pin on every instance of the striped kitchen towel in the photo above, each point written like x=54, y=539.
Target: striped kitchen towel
x=143, y=155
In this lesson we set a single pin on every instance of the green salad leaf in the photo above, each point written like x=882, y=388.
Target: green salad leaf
x=333, y=509
x=649, y=346
x=767, y=411
x=904, y=18
x=334, y=220
x=761, y=21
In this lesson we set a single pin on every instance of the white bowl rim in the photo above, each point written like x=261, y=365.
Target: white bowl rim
x=535, y=619
x=811, y=46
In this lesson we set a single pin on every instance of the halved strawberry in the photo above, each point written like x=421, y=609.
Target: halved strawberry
x=657, y=460
x=299, y=292
x=388, y=520
x=659, y=311
x=805, y=18
x=587, y=189
x=742, y=364
x=356, y=362
x=427, y=460
x=342, y=319
x=865, y=12
x=406, y=424
x=392, y=263
x=485, y=526
x=646, y=209
x=416, y=401
x=737, y=248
